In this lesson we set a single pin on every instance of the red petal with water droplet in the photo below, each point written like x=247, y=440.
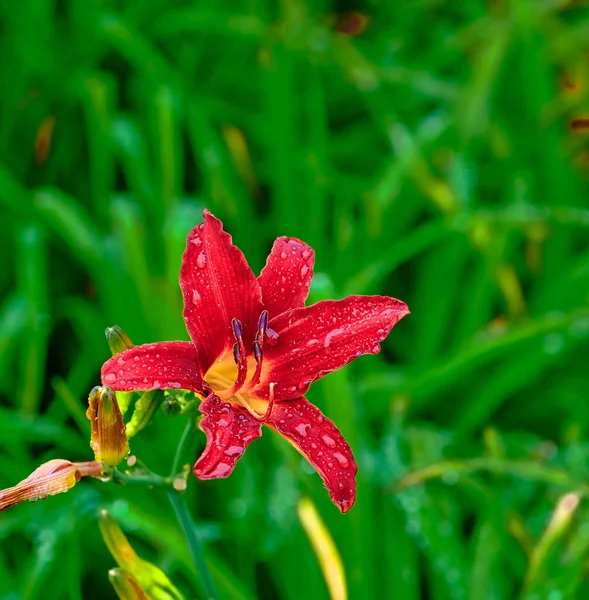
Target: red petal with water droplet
x=152, y=366
x=230, y=429
x=321, y=338
x=286, y=278
x=321, y=443
x=218, y=285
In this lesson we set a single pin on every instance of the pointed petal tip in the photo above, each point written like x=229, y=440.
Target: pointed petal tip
x=322, y=444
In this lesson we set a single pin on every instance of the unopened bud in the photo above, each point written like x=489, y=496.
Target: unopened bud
x=139, y=574
x=53, y=477
x=118, y=340
x=126, y=586
x=109, y=439
x=144, y=409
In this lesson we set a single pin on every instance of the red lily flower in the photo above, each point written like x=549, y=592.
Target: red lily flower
x=255, y=351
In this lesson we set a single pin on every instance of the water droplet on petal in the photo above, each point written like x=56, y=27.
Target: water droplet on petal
x=301, y=428
x=157, y=384
x=328, y=441
x=341, y=459
x=196, y=241
x=173, y=384
x=306, y=254
x=201, y=260
x=304, y=270
x=376, y=349
x=121, y=372
x=283, y=256
x=221, y=470
x=120, y=362
x=314, y=445
x=110, y=378
x=234, y=450
x=136, y=359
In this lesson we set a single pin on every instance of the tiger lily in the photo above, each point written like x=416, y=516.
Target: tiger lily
x=255, y=350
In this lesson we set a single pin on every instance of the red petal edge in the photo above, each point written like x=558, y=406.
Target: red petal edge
x=321, y=338
x=286, y=278
x=321, y=443
x=229, y=429
x=152, y=366
x=218, y=285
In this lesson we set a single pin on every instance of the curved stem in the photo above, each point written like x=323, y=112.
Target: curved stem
x=194, y=545
x=184, y=438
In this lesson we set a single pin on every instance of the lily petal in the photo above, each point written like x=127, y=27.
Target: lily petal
x=218, y=286
x=321, y=338
x=321, y=443
x=152, y=366
x=230, y=429
x=286, y=278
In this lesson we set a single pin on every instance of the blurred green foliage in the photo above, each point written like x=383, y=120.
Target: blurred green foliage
x=429, y=157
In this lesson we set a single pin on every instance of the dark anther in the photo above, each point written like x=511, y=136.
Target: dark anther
x=236, y=352
x=236, y=328
x=263, y=323
x=272, y=337
x=257, y=351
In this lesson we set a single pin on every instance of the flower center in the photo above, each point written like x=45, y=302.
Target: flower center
x=236, y=372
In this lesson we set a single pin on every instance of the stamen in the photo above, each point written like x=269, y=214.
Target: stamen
x=236, y=353
x=257, y=351
x=262, y=323
x=236, y=328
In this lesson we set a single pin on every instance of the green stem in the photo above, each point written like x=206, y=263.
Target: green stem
x=141, y=479
x=194, y=544
x=181, y=447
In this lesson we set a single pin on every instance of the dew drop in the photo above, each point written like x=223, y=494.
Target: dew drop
x=173, y=384
x=283, y=279
x=301, y=428
x=312, y=342
x=110, y=378
x=157, y=384
x=304, y=270
x=145, y=380
x=306, y=254
x=283, y=256
x=120, y=362
x=314, y=445
x=222, y=422
x=196, y=241
x=221, y=470
x=341, y=459
x=234, y=451
x=195, y=296
x=330, y=335
x=121, y=372
x=201, y=260
x=376, y=349
x=136, y=359
x=328, y=441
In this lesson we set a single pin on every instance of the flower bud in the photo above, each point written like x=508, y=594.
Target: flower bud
x=144, y=409
x=53, y=477
x=140, y=576
x=118, y=340
x=126, y=586
x=109, y=440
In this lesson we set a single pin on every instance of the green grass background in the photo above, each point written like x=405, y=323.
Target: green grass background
x=429, y=158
